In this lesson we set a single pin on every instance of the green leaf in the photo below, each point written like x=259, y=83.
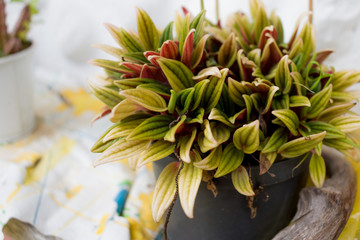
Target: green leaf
x=124, y=39
x=199, y=117
x=158, y=150
x=347, y=123
x=277, y=139
x=184, y=99
x=210, y=71
x=289, y=118
x=331, y=131
x=227, y=52
x=177, y=74
x=130, y=83
x=100, y=145
x=301, y=145
x=266, y=161
x=167, y=34
x=124, y=128
x=269, y=98
x=299, y=101
x=116, y=52
x=124, y=109
x=335, y=111
x=146, y=98
x=198, y=24
x=260, y=22
x=249, y=105
x=107, y=95
x=164, y=192
x=236, y=90
x=230, y=160
x=122, y=149
x=211, y=161
x=172, y=102
x=147, y=31
x=186, y=143
x=213, y=90
x=170, y=135
x=319, y=102
x=198, y=52
x=188, y=48
x=189, y=183
x=247, y=137
x=156, y=88
x=218, y=115
x=340, y=144
x=198, y=93
x=317, y=170
x=152, y=128
x=183, y=32
x=344, y=79
x=307, y=35
x=241, y=181
x=282, y=76
x=214, y=134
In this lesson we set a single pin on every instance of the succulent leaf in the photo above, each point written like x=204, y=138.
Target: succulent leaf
x=282, y=76
x=277, y=139
x=319, y=102
x=331, y=131
x=213, y=90
x=211, y=161
x=167, y=34
x=335, y=111
x=247, y=137
x=158, y=150
x=164, y=192
x=241, y=181
x=170, y=135
x=152, y=128
x=346, y=123
x=146, y=98
x=299, y=101
x=317, y=170
x=123, y=110
x=230, y=160
x=301, y=145
x=147, y=31
x=289, y=118
x=227, y=52
x=186, y=143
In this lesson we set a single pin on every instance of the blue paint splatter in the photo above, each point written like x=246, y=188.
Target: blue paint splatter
x=121, y=197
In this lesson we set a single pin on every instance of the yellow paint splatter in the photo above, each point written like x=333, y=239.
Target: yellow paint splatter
x=102, y=224
x=138, y=231
x=27, y=157
x=72, y=192
x=17, y=189
x=77, y=213
x=55, y=154
x=81, y=101
x=145, y=212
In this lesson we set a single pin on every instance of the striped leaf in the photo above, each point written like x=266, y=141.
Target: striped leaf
x=186, y=143
x=213, y=90
x=189, y=182
x=301, y=145
x=331, y=131
x=184, y=99
x=230, y=160
x=269, y=98
x=214, y=135
x=198, y=24
x=152, y=128
x=177, y=74
x=277, y=139
x=206, y=72
x=164, y=192
x=218, y=115
x=107, y=95
x=319, y=102
x=123, y=129
x=188, y=48
x=299, y=101
x=100, y=145
x=131, y=83
x=198, y=51
x=124, y=109
x=340, y=144
x=198, y=93
x=227, y=51
x=170, y=135
x=347, y=123
x=246, y=138
x=335, y=111
x=282, y=76
x=289, y=118
x=169, y=49
x=266, y=161
x=146, y=98
x=158, y=150
x=212, y=160
x=167, y=34
x=172, y=101
x=122, y=149
x=236, y=90
x=317, y=170
x=198, y=117
x=148, y=33
x=124, y=39
x=241, y=181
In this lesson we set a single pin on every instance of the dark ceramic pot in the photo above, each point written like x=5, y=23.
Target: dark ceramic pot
x=228, y=216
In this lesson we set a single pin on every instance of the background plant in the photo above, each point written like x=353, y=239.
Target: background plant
x=218, y=97
x=16, y=40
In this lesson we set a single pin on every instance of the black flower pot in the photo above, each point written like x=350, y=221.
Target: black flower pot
x=228, y=216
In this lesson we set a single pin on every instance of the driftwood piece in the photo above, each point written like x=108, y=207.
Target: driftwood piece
x=322, y=213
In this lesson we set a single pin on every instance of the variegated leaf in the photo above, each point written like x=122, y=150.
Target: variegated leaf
x=124, y=128
x=164, y=192
x=100, y=145
x=147, y=31
x=198, y=93
x=214, y=134
x=289, y=118
x=299, y=101
x=266, y=161
x=269, y=98
x=227, y=51
x=146, y=98
x=124, y=109
x=231, y=159
x=167, y=34
x=198, y=24
x=189, y=182
x=247, y=138
x=188, y=48
x=319, y=102
x=218, y=115
x=282, y=77
x=206, y=72
x=317, y=170
x=331, y=131
x=211, y=161
x=186, y=143
x=213, y=90
x=107, y=95
x=122, y=149
x=124, y=39
x=169, y=49
x=277, y=139
x=177, y=74
x=301, y=145
x=199, y=117
x=335, y=111
x=347, y=123
x=198, y=51
x=152, y=128
x=241, y=181
x=170, y=135
x=158, y=150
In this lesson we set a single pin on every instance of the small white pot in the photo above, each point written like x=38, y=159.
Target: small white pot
x=17, y=117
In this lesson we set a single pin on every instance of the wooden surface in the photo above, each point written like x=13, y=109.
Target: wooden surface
x=322, y=213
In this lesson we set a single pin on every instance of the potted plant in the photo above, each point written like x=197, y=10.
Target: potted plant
x=16, y=107
x=232, y=116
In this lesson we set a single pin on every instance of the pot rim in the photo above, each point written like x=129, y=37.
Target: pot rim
x=15, y=56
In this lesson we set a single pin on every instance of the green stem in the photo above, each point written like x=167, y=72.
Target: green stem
x=202, y=4
x=217, y=11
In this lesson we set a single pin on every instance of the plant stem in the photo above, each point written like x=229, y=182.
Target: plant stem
x=311, y=11
x=202, y=4
x=175, y=197
x=217, y=11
